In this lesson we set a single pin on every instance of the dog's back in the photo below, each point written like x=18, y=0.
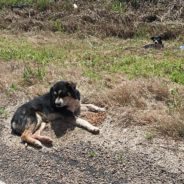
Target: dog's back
x=26, y=114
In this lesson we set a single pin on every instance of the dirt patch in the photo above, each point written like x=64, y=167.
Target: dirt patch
x=116, y=155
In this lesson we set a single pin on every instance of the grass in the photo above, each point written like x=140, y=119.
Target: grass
x=118, y=6
x=31, y=73
x=149, y=136
x=95, y=58
x=3, y=112
x=99, y=64
x=40, y=4
x=92, y=154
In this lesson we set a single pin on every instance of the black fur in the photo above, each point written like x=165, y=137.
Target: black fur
x=44, y=105
x=157, y=43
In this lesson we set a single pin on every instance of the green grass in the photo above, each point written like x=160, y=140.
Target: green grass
x=3, y=112
x=118, y=6
x=14, y=2
x=34, y=73
x=92, y=154
x=40, y=4
x=18, y=49
x=149, y=136
x=96, y=58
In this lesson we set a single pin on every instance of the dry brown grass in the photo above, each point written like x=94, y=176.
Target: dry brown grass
x=155, y=102
x=98, y=18
x=145, y=102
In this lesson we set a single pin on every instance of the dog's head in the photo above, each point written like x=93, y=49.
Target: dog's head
x=65, y=94
x=157, y=39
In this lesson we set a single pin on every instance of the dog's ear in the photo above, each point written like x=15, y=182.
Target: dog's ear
x=72, y=84
x=159, y=38
x=152, y=38
x=51, y=90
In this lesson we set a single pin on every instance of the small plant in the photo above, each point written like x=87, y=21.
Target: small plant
x=92, y=153
x=149, y=136
x=176, y=101
x=118, y=6
x=43, y=4
x=12, y=88
x=57, y=25
x=3, y=112
x=178, y=77
x=33, y=73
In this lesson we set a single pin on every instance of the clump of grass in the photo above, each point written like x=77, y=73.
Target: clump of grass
x=3, y=112
x=172, y=126
x=127, y=94
x=118, y=6
x=171, y=123
x=57, y=25
x=92, y=154
x=176, y=100
x=43, y=4
x=159, y=90
x=36, y=73
x=11, y=89
x=149, y=136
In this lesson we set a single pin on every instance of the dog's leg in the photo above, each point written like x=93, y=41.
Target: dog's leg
x=91, y=107
x=27, y=137
x=86, y=125
x=37, y=135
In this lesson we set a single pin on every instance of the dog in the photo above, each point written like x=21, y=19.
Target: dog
x=157, y=43
x=63, y=100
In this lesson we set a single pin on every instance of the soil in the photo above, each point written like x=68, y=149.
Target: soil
x=118, y=155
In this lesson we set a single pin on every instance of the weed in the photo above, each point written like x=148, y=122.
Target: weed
x=92, y=153
x=33, y=73
x=172, y=127
x=118, y=6
x=176, y=100
x=43, y=4
x=12, y=88
x=149, y=136
x=57, y=25
x=3, y=112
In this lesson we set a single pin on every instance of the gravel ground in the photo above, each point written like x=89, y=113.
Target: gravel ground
x=117, y=156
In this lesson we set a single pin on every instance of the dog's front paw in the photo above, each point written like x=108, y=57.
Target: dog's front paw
x=95, y=130
x=101, y=109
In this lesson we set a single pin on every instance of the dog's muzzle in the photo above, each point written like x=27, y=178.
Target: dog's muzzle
x=59, y=102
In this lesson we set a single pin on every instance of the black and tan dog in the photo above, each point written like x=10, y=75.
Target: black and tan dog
x=63, y=100
x=157, y=43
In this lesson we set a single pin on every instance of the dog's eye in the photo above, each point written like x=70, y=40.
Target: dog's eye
x=55, y=93
x=59, y=92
